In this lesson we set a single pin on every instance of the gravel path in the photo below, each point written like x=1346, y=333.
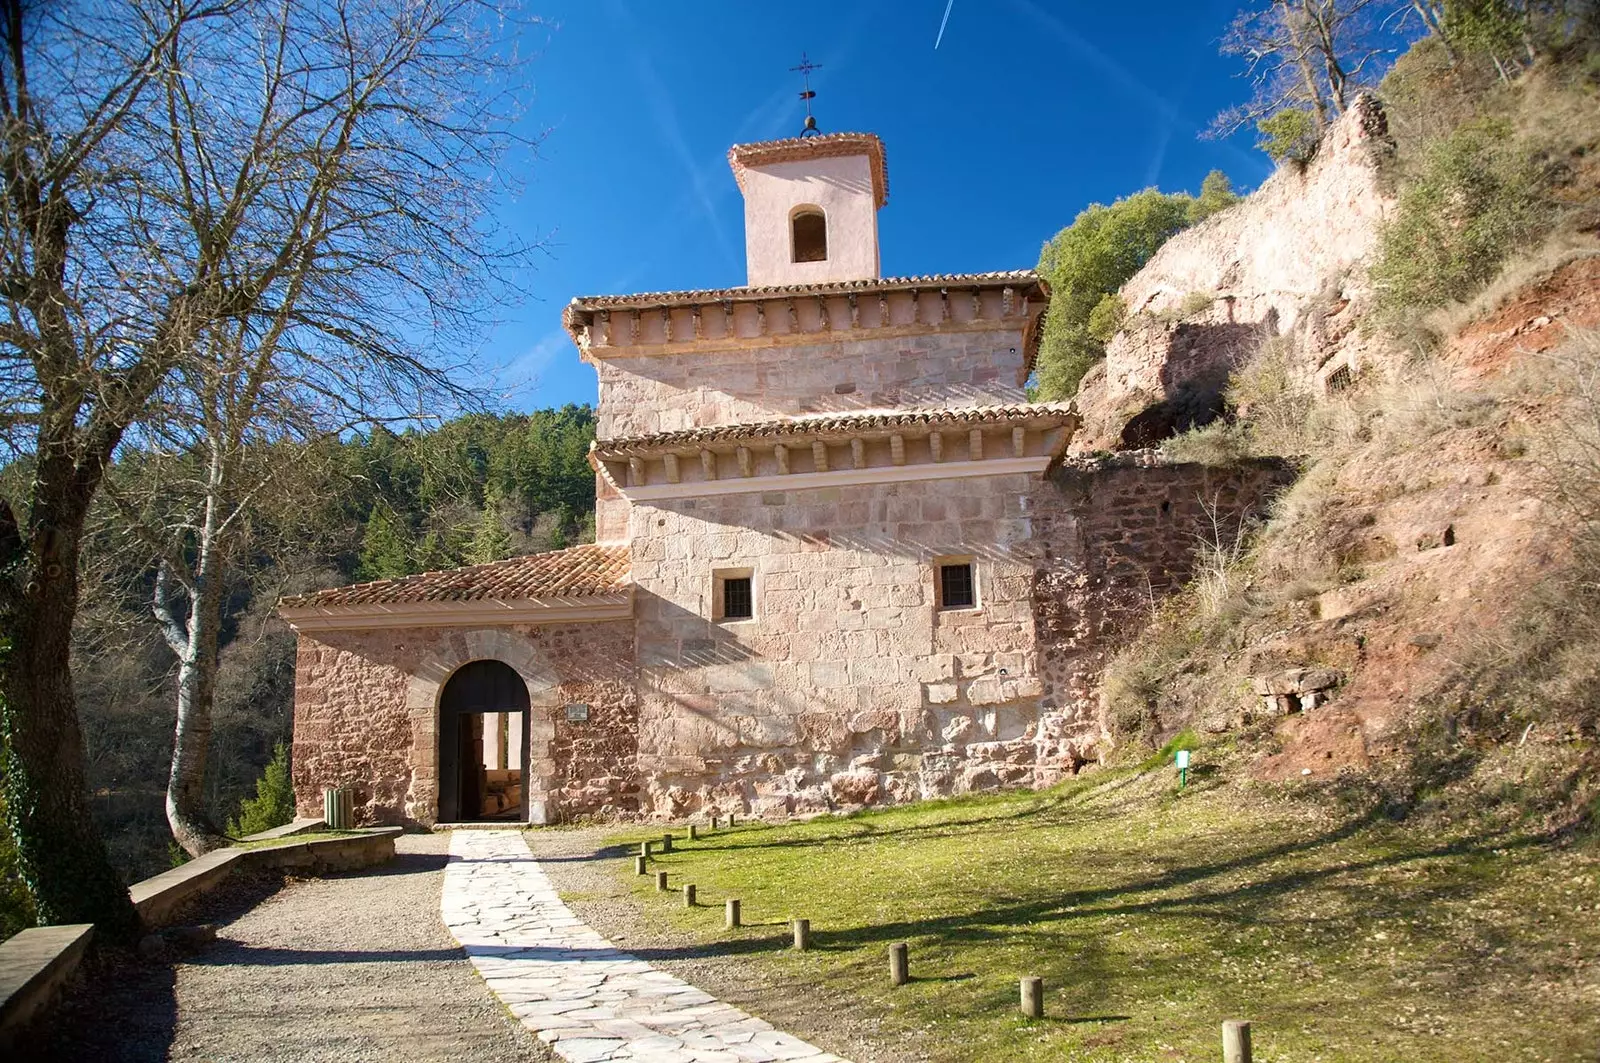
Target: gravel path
x=348, y=968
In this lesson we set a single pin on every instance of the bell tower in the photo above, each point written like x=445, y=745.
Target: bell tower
x=811, y=204
x=811, y=208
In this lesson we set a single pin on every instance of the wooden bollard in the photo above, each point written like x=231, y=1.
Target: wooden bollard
x=1236, y=1041
x=802, y=934
x=666, y=843
x=639, y=867
x=694, y=833
x=1033, y=998
x=899, y=963
x=688, y=895
x=733, y=913
x=714, y=821
x=661, y=881
x=644, y=849
x=730, y=819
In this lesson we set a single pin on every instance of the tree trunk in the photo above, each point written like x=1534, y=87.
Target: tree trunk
x=195, y=644
x=186, y=811
x=64, y=861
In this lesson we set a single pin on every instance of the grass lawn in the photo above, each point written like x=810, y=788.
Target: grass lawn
x=295, y=839
x=1152, y=917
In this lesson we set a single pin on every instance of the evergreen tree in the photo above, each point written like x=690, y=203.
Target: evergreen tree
x=273, y=804
x=385, y=546
x=492, y=541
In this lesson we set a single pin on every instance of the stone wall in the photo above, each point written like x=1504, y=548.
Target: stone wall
x=366, y=715
x=849, y=686
x=1288, y=258
x=848, y=674
x=914, y=361
x=1120, y=533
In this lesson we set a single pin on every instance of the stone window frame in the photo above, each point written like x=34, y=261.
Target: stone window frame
x=718, y=576
x=939, y=564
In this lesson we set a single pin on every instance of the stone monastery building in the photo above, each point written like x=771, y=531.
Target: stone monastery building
x=842, y=560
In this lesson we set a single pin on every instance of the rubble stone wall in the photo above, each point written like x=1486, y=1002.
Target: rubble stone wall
x=1119, y=534
x=366, y=715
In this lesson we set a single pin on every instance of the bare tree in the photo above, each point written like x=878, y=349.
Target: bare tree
x=183, y=181
x=1307, y=55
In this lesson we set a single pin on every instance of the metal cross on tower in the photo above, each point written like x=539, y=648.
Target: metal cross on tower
x=804, y=70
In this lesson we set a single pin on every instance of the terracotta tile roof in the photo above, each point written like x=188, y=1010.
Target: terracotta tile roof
x=575, y=572
x=1025, y=280
x=828, y=424
x=829, y=145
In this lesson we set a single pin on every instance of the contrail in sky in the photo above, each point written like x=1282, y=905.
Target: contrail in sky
x=948, y=5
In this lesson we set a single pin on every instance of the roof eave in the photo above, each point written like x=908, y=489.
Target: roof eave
x=486, y=612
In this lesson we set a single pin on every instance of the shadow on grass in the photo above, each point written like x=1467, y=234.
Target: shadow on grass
x=1239, y=905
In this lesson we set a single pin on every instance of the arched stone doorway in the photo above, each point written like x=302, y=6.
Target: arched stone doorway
x=483, y=744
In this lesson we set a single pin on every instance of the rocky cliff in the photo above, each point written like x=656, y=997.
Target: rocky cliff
x=1283, y=261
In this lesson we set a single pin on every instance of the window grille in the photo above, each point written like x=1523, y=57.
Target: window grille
x=737, y=602
x=955, y=586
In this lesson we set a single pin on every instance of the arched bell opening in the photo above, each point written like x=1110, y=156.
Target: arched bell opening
x=483, y=745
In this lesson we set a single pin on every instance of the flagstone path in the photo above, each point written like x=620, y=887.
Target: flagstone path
x=584, y=996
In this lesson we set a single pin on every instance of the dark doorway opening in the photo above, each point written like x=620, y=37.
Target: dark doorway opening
x=483, y=745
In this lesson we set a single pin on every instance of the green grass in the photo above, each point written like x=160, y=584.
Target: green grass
x=1153, y=916
x=295, y=839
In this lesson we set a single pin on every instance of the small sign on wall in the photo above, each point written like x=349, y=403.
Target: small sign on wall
x=577, y=712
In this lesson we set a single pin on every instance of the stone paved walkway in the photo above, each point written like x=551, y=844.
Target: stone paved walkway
x=590, y=1000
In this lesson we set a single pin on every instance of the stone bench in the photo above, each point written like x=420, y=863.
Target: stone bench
x=158, y=898
x=35, y=965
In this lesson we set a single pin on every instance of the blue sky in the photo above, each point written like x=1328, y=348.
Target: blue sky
x=1027, y=111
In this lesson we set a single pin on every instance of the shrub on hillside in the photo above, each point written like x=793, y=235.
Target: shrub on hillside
x=273, y=804
x=1288, y=136
x=1475, y=200
x=1087, y=262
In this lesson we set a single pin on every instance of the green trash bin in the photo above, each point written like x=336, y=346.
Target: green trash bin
x=339, y=808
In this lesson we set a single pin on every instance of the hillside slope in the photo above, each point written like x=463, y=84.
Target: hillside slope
x=1415, y=616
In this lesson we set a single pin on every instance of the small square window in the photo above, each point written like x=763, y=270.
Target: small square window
x=737, y=601
x=956, y=590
